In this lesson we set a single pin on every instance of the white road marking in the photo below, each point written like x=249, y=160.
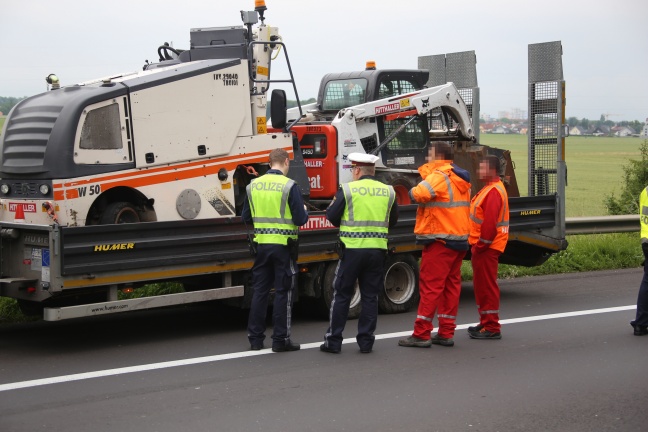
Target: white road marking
x=237, y=355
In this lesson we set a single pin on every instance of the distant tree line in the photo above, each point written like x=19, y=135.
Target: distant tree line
x=6, y=103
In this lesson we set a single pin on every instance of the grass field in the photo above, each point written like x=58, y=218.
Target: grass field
x=594, y=167
x=2, y=120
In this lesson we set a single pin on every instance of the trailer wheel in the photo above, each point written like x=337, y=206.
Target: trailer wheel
x=401, y=291
x=327, y=293
x=401, y=185
x=119, y=212
x=30, y=308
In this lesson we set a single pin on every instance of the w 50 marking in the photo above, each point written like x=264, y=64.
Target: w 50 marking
x=92, y=190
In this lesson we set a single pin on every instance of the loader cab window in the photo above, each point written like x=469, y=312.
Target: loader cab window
x=340, y=94
x=414, y=137
x=103, y=134
x=409, y=148
x=394, y=87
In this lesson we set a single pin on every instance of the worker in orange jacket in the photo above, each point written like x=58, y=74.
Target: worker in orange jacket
x=442, y=226
x=489, y=228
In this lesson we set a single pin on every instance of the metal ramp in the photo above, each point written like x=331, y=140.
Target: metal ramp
x=547, y=132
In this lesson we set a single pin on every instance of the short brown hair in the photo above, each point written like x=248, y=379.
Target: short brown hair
x=277, y=156
x=367, y=169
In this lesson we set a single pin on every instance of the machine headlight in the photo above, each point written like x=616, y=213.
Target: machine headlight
x=44, y=189
x=4, y=188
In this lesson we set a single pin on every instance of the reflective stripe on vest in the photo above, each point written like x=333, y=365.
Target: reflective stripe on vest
x=477, y=214
x=268, y=198
x=443, y=220
x=365, y=222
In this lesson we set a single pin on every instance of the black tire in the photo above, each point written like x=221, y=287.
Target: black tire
x=401, y=184
x=118, y=213
x=30, y=308
x=401, y=291
x=327, y=293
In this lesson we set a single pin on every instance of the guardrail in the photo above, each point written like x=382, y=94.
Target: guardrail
x=601, y=224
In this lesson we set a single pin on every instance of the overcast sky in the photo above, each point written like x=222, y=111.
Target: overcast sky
x=605, y=43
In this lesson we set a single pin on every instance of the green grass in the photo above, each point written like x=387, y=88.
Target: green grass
x=2, y=120
x=584, y=253
x=594, y=167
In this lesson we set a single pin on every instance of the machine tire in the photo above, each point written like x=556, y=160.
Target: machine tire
x=118, y=213
x=327, y=293
x=401, y=291
x=401, y=184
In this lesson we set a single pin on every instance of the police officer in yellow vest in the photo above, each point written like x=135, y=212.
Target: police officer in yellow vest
x=364, y=209
x=640, y=323
x=276, y=208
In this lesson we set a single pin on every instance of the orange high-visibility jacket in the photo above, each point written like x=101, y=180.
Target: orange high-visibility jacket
x=477, y=217
x=444, y=202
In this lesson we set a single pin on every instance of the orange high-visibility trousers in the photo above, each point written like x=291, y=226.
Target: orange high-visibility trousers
x=440, y=288
x=487, y=292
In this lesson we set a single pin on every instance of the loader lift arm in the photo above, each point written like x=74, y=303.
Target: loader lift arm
x=456, y=122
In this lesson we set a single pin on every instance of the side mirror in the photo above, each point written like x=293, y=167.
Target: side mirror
x=278, y=109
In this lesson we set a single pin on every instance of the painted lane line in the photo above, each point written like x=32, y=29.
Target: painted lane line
x=517, y=320
x=243, y=354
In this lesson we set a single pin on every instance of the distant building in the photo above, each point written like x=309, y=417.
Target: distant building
x=518, y=114
x=601, y=130
x=486, y=127
x=577, y=131
x=500, y=129
x=623, y=131
x=644, y=131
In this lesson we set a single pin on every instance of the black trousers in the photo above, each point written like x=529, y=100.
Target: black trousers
x=273, y=268
x=365, y=266
x=641, y=319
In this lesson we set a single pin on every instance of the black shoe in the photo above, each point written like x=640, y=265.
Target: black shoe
x=257, y=346
x=640, y=330
x=438, y=340
x=324, y=348
x=484, y=334
x=288, y=346
x=365, y=350
x=476, y=328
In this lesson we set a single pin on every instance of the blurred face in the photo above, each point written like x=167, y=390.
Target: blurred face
x=484, y=171
x=431, y=157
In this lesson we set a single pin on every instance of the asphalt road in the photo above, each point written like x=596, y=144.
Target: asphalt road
x=567, y=362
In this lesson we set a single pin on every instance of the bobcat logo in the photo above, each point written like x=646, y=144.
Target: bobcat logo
x=426, y=102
